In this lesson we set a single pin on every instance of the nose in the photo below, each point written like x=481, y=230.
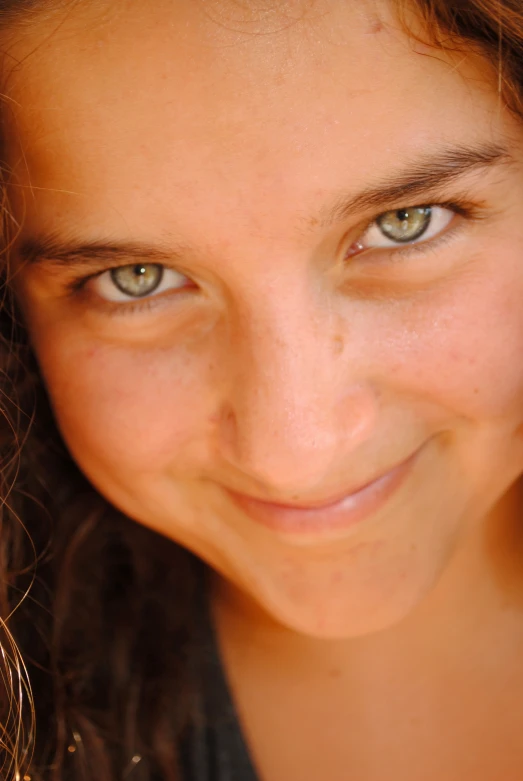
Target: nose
x=296, y=407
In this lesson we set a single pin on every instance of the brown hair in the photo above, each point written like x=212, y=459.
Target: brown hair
x=494, y=28
x=109, y=627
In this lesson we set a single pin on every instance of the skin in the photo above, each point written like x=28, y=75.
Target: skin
x=288, y=370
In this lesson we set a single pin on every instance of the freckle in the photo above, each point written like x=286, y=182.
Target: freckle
x=338, y=344
x=334, y=673
x=375, y=26
x=279, y=79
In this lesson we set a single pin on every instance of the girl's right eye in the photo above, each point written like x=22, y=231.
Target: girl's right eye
x=140, y=280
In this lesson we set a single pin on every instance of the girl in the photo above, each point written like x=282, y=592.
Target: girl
x=266, y=258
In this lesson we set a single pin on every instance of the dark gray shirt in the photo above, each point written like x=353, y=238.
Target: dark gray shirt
x=214, y=749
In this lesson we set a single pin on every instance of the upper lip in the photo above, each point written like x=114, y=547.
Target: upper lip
x=323, y=503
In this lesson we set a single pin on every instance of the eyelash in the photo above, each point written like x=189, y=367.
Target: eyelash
x=463, y=208
x=470, y=212
x=131, y=307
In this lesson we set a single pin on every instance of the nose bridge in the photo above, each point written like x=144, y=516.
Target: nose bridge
x=283, y=375
x=288, y=412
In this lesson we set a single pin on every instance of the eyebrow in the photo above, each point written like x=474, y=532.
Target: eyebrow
x=60, y=252
x=419, y=179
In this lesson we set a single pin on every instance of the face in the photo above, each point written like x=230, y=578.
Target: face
x=271, y=264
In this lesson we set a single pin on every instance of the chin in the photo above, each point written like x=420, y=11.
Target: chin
x=344, y=610
x=344, y=624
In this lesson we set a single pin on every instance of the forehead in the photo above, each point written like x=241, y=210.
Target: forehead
x=177, y=106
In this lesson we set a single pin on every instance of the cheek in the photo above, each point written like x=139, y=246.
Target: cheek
x=463, y=347
x=130, y=410
x=457, y=348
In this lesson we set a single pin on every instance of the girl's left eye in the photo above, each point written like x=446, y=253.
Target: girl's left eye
x=409, y=225
x=140, y=280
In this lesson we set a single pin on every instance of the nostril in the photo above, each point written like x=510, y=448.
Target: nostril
x=275, y=461
x=292, y=442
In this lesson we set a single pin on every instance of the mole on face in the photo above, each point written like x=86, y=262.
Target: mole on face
x=338, y=343
x=375, y=25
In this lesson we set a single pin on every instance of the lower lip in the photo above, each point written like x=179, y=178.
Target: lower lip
x=332, y=518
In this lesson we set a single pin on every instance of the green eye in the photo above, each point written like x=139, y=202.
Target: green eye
x=404, y=225
x=139, y=280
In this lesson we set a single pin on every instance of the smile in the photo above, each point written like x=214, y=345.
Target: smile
x=331, y=516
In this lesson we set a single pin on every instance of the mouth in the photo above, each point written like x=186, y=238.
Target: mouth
x=331, y=515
